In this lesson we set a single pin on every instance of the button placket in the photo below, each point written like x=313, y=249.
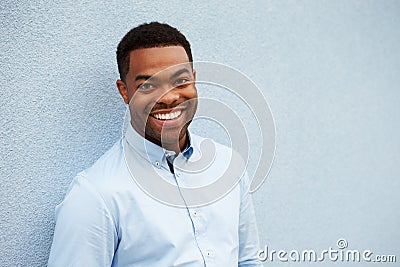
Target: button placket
x=199, y=222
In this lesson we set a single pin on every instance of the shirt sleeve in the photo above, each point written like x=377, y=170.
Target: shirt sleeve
x=248, y=233
x=85, y=234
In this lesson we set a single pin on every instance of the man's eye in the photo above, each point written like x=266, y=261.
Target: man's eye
x=181, y=81
x=146, y=86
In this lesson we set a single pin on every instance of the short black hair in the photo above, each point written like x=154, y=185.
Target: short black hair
x=149, y=35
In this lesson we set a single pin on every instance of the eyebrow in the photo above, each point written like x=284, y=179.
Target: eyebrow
x=142, y=77
x=179, y=72
x=176, y=74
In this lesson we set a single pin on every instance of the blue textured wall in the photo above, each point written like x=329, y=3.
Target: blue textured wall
x=330, y=71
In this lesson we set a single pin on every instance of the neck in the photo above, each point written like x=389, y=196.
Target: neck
x=176, y=147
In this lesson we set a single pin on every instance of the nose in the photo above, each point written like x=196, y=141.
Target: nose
x=169, y=96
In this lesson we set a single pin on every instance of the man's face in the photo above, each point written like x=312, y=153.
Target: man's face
x=160, y=89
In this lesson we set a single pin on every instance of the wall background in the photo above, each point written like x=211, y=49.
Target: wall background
x=329, y=69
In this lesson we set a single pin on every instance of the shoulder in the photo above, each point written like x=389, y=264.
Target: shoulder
x=104, y=176
x=107, y=163
x=224, y=162
x=108, y=172
x=207, y=147
x=94, y=187
x=205, y=144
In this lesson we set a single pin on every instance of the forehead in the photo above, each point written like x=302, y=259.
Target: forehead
x=149, y=61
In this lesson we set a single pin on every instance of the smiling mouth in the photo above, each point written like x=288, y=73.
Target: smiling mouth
x=167, y=116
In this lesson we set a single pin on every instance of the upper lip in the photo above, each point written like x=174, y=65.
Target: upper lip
x=166, y=111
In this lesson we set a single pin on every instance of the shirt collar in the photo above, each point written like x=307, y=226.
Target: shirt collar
x=152, y=152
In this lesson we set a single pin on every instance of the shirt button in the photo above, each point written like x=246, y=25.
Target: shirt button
x=157, y=163
x=194, y=213
x=178, y=174
x=208, y=253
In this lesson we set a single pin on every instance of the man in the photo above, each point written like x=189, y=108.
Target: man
x=107, y=219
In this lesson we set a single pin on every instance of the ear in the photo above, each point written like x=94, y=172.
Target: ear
x=194, y=75
x=123, y=90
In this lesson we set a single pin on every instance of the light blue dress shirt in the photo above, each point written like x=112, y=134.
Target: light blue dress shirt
x=106, y=219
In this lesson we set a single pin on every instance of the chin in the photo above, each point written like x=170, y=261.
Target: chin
x=170, y=138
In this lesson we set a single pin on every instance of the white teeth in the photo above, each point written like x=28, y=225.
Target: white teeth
x=167, y=116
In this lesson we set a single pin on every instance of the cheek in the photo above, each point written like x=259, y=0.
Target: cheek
x=141, y=104
x=190, y=93
x=137, y=112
